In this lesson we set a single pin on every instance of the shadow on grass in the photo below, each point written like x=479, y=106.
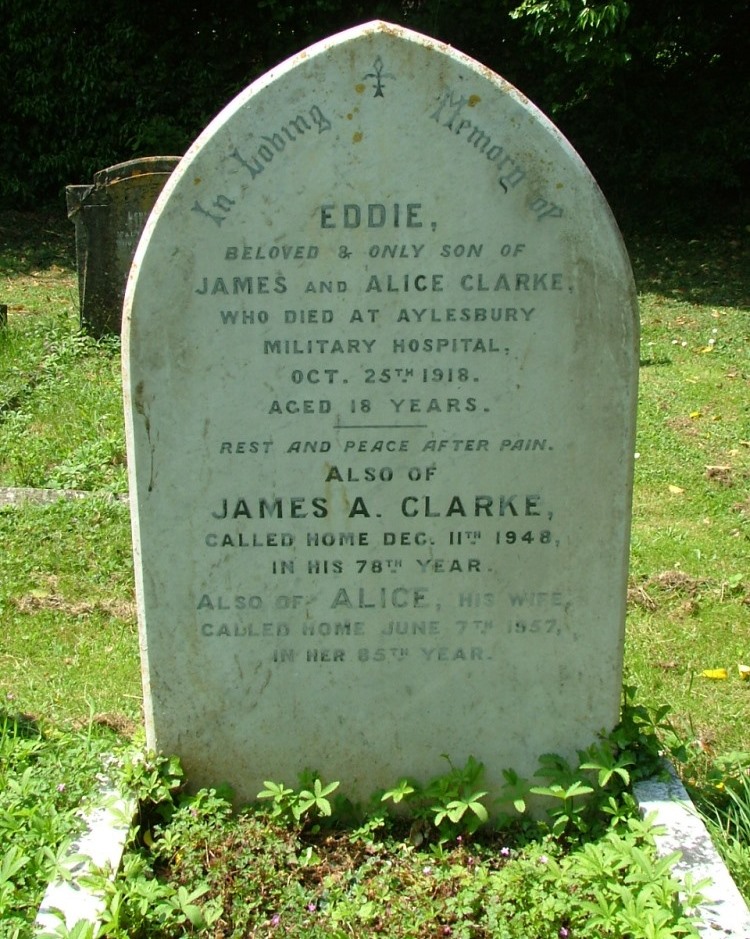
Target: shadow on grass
x=24, y=726
x=713, y=269
x=35, y=241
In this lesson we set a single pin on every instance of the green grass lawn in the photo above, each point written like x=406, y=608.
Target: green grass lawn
x=68, y=644
x=689, y=605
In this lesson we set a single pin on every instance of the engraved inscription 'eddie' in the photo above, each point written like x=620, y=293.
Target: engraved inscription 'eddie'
x=380, y=353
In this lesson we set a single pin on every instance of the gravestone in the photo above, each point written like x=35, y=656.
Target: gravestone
x=380, y=375
x=109, y=218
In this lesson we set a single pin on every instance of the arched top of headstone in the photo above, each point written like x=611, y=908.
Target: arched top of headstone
x=380, y=360
x=382, y=84
x=132, y=169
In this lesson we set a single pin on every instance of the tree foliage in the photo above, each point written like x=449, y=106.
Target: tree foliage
x=577, y=29
x=654, y=95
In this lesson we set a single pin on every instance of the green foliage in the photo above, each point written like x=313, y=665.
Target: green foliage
x=628, y=891
x=578, y=29
x=95, y=85
x=153, y=778
x=565, y=791
x=302, y=805
x=403, y=790
x=451, y=802
x=602, y=879
x=44, y=776
x=576, y=799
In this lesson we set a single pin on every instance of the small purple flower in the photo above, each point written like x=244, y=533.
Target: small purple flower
x=427, y=870
x=61, y=787
x=564, y=933
x=275, y=919
x=311, y=907
x=504, y=852
x=543, y=859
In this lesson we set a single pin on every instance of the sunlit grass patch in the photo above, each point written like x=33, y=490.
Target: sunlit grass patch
x=61, y=417
x=66, y=603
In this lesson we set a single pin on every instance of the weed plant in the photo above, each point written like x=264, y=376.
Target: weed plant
x=46, y=775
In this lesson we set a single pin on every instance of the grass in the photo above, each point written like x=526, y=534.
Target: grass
x=69, y=633
x=60, y=403
x=728, y=816
x=690, y=587
x=68, y=647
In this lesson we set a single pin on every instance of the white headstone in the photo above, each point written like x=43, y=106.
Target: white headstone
x=380, y=372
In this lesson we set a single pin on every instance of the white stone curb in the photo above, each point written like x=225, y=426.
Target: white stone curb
x=14, y=496
x=99, y=848
x=724, y=911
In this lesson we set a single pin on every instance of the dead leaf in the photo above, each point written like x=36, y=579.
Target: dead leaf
x=677, y=582
x=717, y=674
x=722, y=474
x=639, y=597
x=675, y=490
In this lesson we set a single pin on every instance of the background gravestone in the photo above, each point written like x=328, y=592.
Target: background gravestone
x=109, y=218
x=380, y=374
